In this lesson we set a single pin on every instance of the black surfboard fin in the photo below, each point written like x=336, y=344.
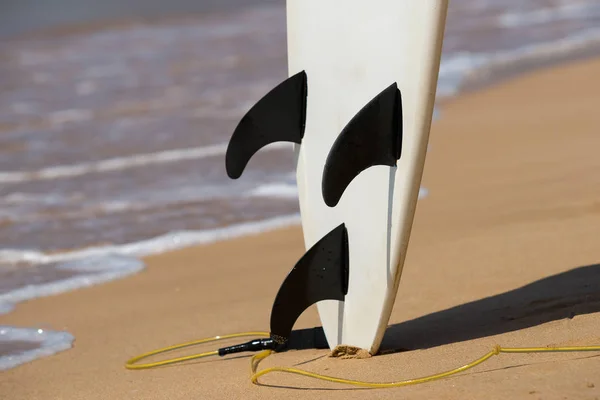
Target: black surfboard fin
x=321, y=274
x=278, y=116
x=372, y=137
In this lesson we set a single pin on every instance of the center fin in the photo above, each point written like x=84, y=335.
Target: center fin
x=321, y=274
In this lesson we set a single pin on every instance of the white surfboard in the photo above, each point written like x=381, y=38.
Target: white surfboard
x=351, y=50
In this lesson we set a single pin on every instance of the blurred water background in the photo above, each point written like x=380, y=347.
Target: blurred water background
x=115, y=116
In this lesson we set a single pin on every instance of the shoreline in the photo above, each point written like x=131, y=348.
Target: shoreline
x=472, y=83
x=480, y=79
x=458, y=65
x=493, y=75
x=512, y=203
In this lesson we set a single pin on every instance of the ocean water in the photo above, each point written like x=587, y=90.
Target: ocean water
x=112, y=140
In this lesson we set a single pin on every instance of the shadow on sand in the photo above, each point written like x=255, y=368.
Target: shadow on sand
x=564, y=295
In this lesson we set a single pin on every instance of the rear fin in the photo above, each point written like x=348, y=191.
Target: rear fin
x=372, y=137
x=321, y=274
x=279, y=116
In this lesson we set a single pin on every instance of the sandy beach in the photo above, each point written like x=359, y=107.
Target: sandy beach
x=505, y=250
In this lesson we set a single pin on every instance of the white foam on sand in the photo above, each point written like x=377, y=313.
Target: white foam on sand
x=87, y=271
x=156, y=245
x=105, y=263
x=101, y=264
x=98, y=265
x=44, y=343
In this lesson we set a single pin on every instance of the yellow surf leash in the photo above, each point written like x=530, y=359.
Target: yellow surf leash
x=256, y=359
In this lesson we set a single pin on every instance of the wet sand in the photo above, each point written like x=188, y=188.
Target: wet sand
x=505, y=250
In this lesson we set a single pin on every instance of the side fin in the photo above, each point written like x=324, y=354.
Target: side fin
x=372, y=137
x=278, y=116
x=321, y=274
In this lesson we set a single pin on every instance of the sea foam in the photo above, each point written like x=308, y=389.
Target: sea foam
x=86, y=271
x=105, y=263
x=43, y=343
x=122, y=163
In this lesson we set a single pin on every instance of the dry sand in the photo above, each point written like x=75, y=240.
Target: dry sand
x=505, y=250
